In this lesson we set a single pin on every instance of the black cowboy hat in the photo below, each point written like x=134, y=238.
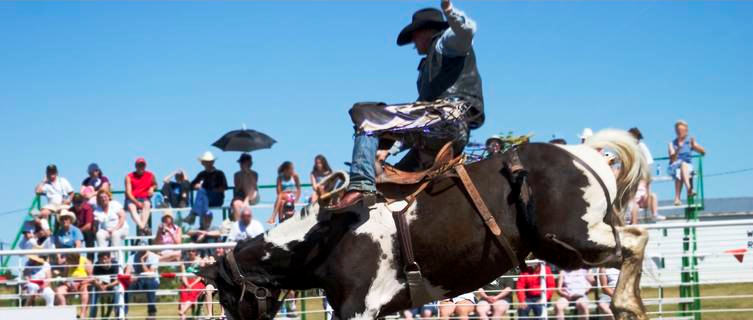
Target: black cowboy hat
x=428, y=18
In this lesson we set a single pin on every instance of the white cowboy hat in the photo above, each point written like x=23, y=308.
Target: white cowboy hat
x=207, y=156
x=586, y=133
x=66, y=213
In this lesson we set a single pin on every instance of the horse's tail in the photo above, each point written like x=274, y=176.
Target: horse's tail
x=634, y=167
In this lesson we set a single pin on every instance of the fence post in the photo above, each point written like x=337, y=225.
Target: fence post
x=120, y=295
x=544, y=290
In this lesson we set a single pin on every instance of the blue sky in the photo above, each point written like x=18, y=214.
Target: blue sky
x=107, y=82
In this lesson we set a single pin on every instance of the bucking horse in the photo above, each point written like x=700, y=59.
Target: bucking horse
x=571, y=218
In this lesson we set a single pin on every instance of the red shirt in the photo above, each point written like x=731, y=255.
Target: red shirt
x=140, y=185
x=529, y=284
x=84, y=215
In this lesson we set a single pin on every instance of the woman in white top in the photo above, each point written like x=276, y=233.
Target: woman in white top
x=644, y=198
x=573, y=287
x=111, y=217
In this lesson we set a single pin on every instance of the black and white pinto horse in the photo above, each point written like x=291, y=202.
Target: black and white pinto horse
x=355, y=257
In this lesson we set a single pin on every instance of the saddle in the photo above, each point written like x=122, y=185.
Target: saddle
x=443, y=162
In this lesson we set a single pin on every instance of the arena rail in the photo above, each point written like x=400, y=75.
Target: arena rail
x=726, y=286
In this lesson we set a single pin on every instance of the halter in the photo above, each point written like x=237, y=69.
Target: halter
x=260, y=293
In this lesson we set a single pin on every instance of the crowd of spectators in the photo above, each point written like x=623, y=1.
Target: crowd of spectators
x=92, y=217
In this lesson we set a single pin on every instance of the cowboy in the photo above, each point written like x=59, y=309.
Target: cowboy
x=448, y=73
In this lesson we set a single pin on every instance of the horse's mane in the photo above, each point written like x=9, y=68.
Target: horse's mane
x=634, y=167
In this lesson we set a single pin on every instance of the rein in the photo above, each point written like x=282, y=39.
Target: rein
x=261, y=294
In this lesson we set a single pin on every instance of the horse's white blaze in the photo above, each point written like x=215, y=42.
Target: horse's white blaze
x=293, y=229
x=593, y=194
x=381, y=229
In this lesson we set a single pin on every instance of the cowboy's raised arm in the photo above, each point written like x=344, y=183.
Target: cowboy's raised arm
x=456, y=40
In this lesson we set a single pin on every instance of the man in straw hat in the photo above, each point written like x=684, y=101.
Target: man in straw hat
x=210, y=185
x=448, y=80
x=37, y=274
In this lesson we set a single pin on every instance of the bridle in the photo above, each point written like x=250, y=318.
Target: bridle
x=262, y=294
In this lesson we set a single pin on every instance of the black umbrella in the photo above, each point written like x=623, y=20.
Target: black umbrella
x=244, y=140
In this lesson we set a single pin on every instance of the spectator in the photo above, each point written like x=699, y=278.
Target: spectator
x=192, y=286
x=246, y=227
x=496, y=297
x=37, y=274
x=176, y=188
x=529, y=291
x=93, y=183
x=112, y=220
x=140, y=186
x=169, y=233
x=105, y=282
x=144, y=265
x=57, y=190
x=644, y=198
x=320, y=171
x=29, y=239
x=426, y=311
x=35, y=237
x=211, y=185
x=680, y=157
x=494, y=145
x=573, y=287
x=607, y=281
x=79, y=268
x=68, y=236
x=288, y=190
x=84, y=220
x=585, y=134
x=461, y=306
x=246, y=190
x=210, y=289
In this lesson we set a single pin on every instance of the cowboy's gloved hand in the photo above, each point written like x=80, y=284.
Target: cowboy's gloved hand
x=446, y=5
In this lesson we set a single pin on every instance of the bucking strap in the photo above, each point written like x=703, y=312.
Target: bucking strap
x=485, y=214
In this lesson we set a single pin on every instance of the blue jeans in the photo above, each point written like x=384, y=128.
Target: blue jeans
x=205, y=199
x=362, y=172
x=532, y=304
x=145, y=284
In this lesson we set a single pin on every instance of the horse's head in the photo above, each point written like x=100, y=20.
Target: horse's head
x=249, y=301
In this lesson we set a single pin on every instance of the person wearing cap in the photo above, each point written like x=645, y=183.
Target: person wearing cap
x=246, y=190
x=246, y=227
x=448, y=71
x=210, y=184
x=175, y=189
x=84, y=220
x=494, y=145
x=68, y=236
x=57, y=190
x=585, y=134
x=37, y=274
x=93, y=183
x=140, y=185
x=111, y=219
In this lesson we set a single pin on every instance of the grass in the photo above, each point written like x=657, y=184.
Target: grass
x=709, y=303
